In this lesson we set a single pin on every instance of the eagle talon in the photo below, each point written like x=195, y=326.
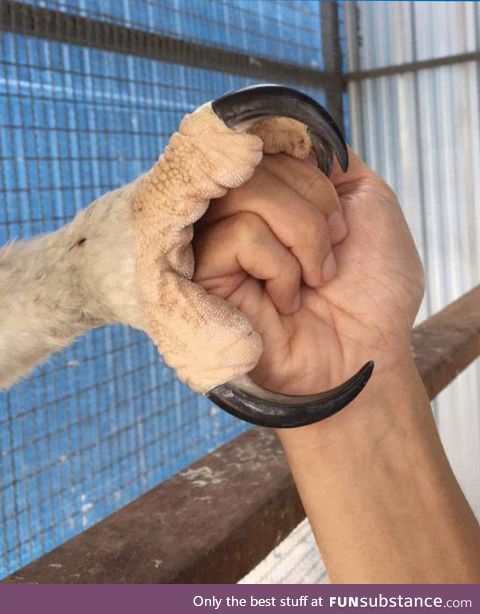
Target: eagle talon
x=240, y=396
x=245, y=105
x=244, y=399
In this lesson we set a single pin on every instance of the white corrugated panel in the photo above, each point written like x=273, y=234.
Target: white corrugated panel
x=420, y=131
x=294, y=561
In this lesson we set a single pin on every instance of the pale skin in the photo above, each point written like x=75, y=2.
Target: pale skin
x=380, y=495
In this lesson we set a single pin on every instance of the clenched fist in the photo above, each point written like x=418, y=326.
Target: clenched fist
x=325, y=269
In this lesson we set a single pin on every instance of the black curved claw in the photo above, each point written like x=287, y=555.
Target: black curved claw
x=241, y=397
x=247, y=401
x=277, y=100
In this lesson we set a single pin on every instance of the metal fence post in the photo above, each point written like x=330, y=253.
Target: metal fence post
x=332, y=57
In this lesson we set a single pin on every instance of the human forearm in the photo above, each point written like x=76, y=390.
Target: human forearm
x=56, y=287
x=379, y=492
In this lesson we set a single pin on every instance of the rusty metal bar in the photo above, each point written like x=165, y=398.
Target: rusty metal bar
x=213, y=522
x=446, y=343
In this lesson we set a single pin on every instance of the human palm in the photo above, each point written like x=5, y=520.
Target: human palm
x=264, y=248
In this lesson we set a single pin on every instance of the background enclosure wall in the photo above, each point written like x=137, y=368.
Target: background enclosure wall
x=420, y=130
x=104, y=421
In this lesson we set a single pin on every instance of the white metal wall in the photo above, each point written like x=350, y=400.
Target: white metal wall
x=294, y=561
x=420, y=131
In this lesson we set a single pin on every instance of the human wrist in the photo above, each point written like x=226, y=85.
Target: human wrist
x=379, y=493
x=394, y=402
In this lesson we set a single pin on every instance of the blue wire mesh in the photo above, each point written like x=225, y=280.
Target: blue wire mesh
x=105, y=420
x=278, y=29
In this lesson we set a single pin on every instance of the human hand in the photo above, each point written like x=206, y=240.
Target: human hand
x=266, y=247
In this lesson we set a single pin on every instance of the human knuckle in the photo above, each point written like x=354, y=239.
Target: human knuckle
x=314, y=185
x=384, y=190
x=291, y=266
x=313, y=226
x=318, y=244
x=248, y=226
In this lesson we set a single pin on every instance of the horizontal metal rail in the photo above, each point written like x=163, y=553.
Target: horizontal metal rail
x=213, y=522
x=64, y=27
x=77, y=30
x=398, y=69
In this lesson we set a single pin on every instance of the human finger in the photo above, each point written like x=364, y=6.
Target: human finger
x=244, y=244
x=313, y=186
x=299, y=224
